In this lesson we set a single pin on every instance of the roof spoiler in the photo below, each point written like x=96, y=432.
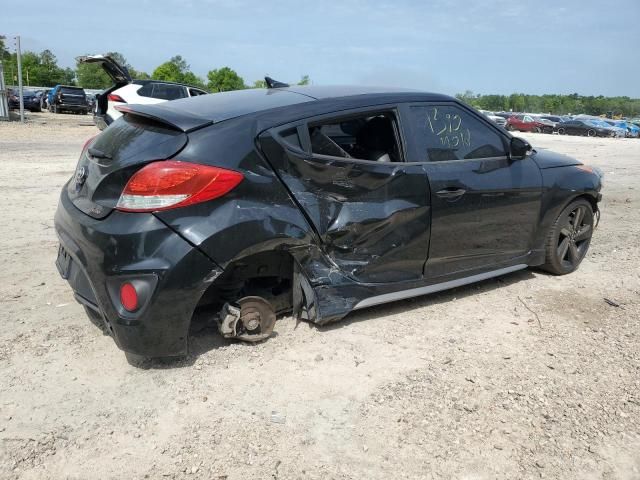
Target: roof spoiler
x=180, y=120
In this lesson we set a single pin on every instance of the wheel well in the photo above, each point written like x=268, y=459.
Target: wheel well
x=590, y=198
x=267, y=274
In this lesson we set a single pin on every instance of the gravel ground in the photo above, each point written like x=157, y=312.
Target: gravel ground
x=526, y=376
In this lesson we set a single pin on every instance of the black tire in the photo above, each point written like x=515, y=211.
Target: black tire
x=509, y=127
x=561, y=131
x=591, y=133
x=569, y=238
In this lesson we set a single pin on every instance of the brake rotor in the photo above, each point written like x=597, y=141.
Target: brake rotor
x=257, y=319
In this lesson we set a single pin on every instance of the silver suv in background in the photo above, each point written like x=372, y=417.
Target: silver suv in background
x=500, y=121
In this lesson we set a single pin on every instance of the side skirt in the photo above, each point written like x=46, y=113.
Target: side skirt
x=414, y=292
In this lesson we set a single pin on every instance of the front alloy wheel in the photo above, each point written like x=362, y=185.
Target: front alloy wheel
x=591, y=133
x=569, y=238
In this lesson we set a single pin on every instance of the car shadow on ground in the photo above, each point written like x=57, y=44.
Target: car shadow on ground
x=204, y=335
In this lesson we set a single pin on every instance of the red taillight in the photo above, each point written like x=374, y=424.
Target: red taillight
x=129, y=297
x=170, y=184
x=112, y=97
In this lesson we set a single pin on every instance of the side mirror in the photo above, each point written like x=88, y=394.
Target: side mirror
x=519, y=148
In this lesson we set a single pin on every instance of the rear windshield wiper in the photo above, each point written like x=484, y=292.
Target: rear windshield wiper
x=95, y=153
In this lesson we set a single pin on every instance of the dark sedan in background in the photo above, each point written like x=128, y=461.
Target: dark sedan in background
x=30, y=99
x=584, y=127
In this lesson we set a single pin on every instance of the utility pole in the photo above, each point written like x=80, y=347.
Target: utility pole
x=19, y=56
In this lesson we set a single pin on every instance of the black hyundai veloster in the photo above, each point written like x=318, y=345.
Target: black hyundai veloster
x=244, y=205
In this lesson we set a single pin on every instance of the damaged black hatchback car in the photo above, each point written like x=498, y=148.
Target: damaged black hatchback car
x=316, y=200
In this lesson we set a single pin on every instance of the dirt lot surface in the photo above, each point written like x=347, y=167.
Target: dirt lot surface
x=527, y=376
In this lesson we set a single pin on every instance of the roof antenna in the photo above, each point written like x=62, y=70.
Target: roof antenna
x=271, y=83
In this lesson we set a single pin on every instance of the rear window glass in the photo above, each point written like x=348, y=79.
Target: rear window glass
x=131, y=134
x=72, y=91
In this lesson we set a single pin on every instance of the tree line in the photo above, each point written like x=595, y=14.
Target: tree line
x=554, y=104
x=42, y=70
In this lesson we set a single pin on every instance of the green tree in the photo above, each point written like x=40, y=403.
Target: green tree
x=171, y=71
x=3, y=50
x=177, y=70
x=305, y=80
x=259, y=84
x=191, y=78
x=468, y=97
x=38, y=69
x=224, y=79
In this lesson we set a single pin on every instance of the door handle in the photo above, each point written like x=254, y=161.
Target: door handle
x=451, y=192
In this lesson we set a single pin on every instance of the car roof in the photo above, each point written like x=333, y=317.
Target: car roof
x=148, y=80
x=225, y=105
x=306, y=101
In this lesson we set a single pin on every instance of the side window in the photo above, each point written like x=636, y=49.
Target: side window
x=291, y=138
x=447, y=132
x=163, y=91
x=146, y=90
x=167, y=91
x=194, y=92
x=370, y=136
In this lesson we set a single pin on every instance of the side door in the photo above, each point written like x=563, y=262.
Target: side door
x=574, y=128
x=485, y=206
x=369, y=208
x=529, y=123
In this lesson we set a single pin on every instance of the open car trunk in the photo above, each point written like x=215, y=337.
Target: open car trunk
x=118, y=73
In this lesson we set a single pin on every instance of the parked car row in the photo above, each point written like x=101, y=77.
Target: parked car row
x=125, y=90
x=29, y=97
x=588, y=125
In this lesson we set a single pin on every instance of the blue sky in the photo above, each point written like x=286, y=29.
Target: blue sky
x=491, y=46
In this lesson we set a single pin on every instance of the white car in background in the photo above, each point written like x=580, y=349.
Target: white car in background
x=126, y=90
x=500, y=121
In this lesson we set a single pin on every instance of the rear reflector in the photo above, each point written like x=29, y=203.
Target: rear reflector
x=128, y=297
x=112, y=97
x=171, y=184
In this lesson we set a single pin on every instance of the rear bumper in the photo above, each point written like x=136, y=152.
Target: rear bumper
x=125, y=247
x=73, y=108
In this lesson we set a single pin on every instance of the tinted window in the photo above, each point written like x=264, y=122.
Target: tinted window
x=72, y=91
x=194, y=92
x=163, y=91
x=290, y=137
x=447, y=132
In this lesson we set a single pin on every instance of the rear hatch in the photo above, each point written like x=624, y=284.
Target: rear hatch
x=72, y=96
x=119, y=74
x=109, y=160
